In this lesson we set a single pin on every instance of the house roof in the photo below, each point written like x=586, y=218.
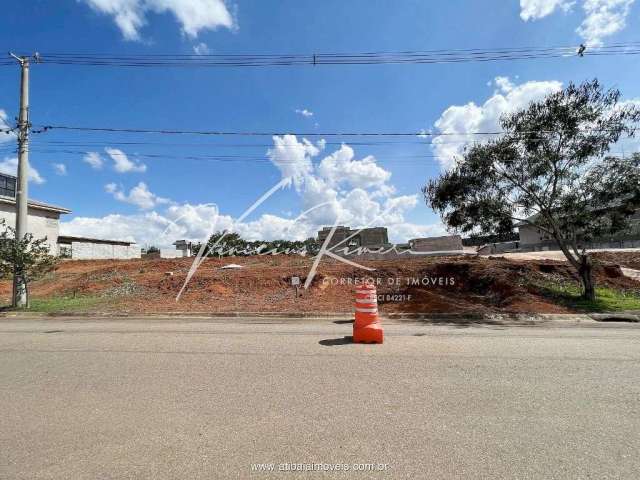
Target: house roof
x=70, y=239
x=36, y=204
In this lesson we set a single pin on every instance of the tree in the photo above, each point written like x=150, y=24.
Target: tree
x=312, y=246
x=232, y=244
x=27, y=257
x=549, y=169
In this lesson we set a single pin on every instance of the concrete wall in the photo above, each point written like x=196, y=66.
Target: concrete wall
x=531, y=236
x=101, y=251
x=373, y=236
x=368, y=237
x=532, y=239
x=394, y=255
x=40, y=223
x=501, y=247
x=170, y=253
x=436, y=244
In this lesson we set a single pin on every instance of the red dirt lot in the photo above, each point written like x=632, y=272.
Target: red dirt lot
x=427, y=285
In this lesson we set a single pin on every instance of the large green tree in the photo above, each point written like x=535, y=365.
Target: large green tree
x=550, y=169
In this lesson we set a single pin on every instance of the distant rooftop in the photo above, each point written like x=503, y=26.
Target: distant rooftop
x=35, y=204
x=70, y=239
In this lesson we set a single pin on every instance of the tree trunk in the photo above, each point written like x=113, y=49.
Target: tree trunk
x=586, y=275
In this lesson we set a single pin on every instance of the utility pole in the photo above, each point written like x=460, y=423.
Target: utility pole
x=19, y=284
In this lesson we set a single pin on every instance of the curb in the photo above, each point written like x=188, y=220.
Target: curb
x=616, y=317
x=444, y=318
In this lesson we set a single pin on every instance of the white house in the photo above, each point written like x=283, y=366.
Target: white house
x=84, y=248
x=43, y=219
x=532, y=238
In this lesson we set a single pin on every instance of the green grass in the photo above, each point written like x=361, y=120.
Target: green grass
x=607, y=299
x=62, y=304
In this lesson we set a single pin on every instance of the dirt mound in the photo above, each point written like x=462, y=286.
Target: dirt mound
x=263, y=284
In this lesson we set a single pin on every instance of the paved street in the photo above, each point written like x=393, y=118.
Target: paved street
x=205, y=399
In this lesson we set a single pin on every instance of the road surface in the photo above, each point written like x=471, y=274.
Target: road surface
x=196, y=399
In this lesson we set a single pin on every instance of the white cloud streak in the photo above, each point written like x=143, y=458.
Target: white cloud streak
x=140, y=196
x=357, y=192
x=121, y=162
x=94, y=159
x=201, y=49
x=471, y=118
x=193, y=16
x=9, y=166
x=537, y=9
x=59, y=168
x=304, y=112
x=603, y=18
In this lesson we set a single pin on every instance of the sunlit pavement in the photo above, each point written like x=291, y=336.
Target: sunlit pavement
x=187, y=399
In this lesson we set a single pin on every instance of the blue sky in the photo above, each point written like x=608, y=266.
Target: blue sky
x=157, y=200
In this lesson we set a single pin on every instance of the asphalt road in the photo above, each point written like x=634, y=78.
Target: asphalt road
x=159, y=399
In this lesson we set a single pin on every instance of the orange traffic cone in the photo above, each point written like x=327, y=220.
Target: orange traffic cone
x=367, y=327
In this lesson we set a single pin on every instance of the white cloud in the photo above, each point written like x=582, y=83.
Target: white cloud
x=140, y=196
x=304, y=112
x=471, y=118
x=341, y=167
x=272, y=227
x=627, y=145
x=536, y=9
x=9, y=166
x=121, y=162
x=201, y=49
x=192, y=15
x=403, y=232
x=193, y=222
x=59, y=168
x=293, y=158
x=603, y=19
x=366, y=200
x=94, y=159
x=4, y=123
x=355, y=192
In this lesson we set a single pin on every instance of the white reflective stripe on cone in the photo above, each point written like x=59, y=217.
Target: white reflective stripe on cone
x=366, y=300
x=366, y=292
x=367, y=310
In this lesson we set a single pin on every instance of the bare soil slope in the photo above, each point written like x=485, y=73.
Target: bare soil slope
x=434, y=285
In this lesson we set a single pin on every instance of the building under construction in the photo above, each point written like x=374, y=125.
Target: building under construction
x=376, y=241
x=368, y=237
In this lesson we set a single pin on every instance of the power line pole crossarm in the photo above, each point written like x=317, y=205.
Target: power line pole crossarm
x=20, y=298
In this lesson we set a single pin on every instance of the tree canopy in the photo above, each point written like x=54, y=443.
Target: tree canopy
x=549, y=168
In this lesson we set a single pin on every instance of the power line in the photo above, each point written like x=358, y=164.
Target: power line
x=410, y=159
x=316, y=59
x=222, y=158
x=93, y=144
x=223, y=133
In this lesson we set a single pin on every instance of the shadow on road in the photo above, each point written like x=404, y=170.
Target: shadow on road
x=342, y=322
x=332, y=342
